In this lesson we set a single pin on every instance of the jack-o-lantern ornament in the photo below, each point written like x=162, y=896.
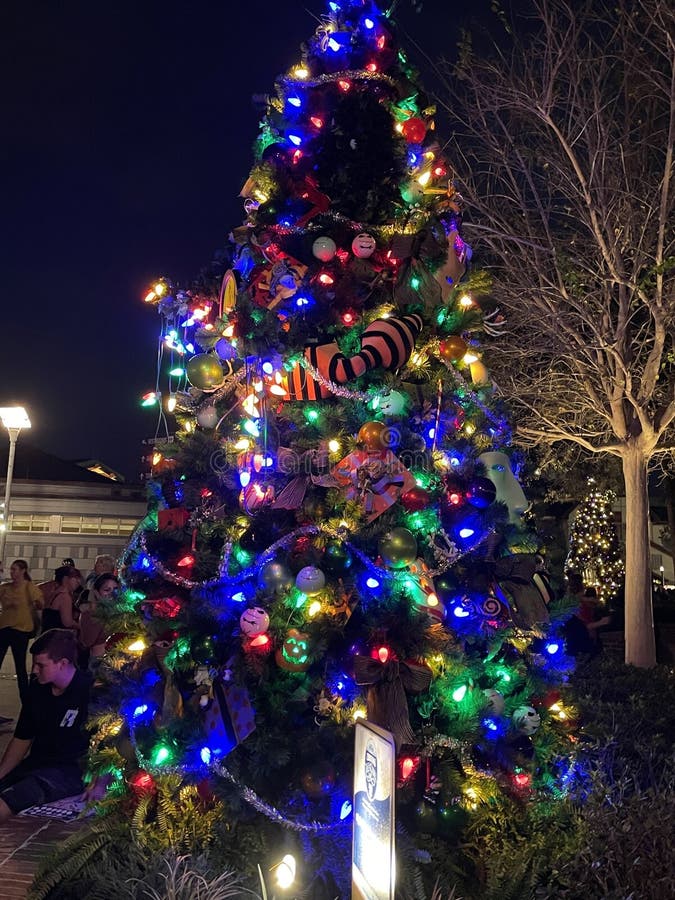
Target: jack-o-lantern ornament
x=363, y=245
x=293, y=655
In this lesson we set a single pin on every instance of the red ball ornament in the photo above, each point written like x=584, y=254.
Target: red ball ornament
x=415, y=499
x=142, y=783
x=414, y=130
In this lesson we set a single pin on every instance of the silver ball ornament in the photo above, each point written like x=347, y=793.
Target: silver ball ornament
x=324, y=248
x=275, y=578
x=310, y=580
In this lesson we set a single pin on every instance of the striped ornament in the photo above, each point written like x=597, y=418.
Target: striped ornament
x=385, y=343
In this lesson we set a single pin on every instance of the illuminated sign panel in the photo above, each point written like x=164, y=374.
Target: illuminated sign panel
x=373, y=852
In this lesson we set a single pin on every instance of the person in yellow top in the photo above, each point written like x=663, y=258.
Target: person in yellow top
x=17, y=599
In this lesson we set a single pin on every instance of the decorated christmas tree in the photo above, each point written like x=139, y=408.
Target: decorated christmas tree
x=335, y=532
x=594, y=551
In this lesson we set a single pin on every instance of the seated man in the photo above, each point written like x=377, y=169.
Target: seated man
x=42, y=762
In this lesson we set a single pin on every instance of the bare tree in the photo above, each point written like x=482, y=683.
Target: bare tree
x=564, y=145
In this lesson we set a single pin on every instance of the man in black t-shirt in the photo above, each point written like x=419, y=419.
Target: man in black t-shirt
x=42, y=762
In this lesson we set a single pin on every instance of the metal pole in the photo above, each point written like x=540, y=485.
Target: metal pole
x=13, y=435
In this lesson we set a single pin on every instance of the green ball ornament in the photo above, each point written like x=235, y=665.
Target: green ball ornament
x=445, y=587
x=336, y=558
x=275, y=578
x=398, y=548
x=412, y=192
x=205, y=372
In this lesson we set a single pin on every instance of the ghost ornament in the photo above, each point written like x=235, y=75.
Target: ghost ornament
x=526, y=720
x=363, y=245
x=254, y=621
x=509, y=492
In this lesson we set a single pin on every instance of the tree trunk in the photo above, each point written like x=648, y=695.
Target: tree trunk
x=670, y=509
x=640, y=643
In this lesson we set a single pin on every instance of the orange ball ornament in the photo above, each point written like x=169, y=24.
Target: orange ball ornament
x=373, y=436
x=452, y=348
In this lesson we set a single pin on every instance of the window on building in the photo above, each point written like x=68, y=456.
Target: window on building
x=28, y=522
x=111, y=525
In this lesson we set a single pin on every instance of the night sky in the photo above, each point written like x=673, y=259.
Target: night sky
x=127, y=135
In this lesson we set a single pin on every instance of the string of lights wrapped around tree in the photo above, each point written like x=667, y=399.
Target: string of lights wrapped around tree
x=342, y=499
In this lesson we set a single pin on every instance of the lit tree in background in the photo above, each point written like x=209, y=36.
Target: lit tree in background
x=336, y=530
x=594, y=550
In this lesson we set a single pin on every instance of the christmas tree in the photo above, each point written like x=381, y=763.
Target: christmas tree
x=594, y=551
x=336, y=530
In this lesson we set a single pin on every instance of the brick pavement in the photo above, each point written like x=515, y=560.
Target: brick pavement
x=25, y=840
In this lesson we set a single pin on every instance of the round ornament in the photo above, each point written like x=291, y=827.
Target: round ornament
x=445, y=587
x=324, y=248
x=363, y=245
x=336, y=558
x=414, y=130
x=310, y=580
x=495, y=701
x=254, y=621
x=373, y=436
x=526, y=720
x=208, y=417
x=319, y=780
x=452, y=348
x=412, y=192
x=393, y=403
x=481, y=492
x=398, y=548
x=293, y=655
x=204, y=371
x=275, y=578
x=415, y=499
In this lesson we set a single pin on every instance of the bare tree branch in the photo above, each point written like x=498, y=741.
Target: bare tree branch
x=564, y=142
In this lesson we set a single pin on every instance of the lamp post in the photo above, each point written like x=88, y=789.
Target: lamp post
x=14, y=418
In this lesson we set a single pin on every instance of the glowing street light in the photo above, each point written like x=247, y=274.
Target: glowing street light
x=14, y=418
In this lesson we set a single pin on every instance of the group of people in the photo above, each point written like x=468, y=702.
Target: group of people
x=583, y=628
x=67, y=601
x=42, y=762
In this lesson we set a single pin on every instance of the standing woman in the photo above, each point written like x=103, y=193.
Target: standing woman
x=59, y=611
x=93, y=634
x=17, y=599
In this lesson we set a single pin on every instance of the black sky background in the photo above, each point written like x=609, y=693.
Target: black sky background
x=127, y=135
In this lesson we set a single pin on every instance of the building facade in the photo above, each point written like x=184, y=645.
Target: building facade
x=59, y=509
